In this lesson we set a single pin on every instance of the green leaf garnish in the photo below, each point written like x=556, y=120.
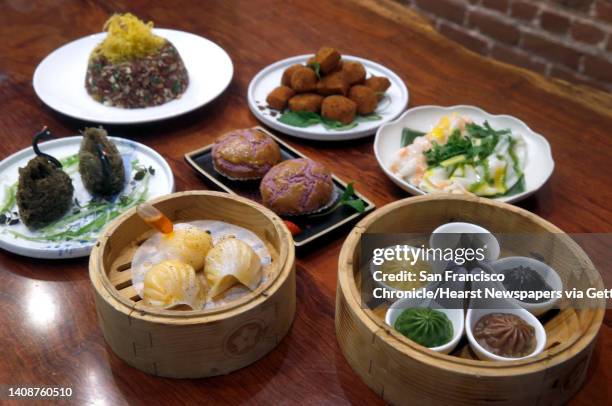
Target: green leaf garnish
x=348, y=198
x=478, y=145
x=9, y=198
x=316, y=67
x=518, y=187
x=337, y=125
x=356, y=204
x=408, y=136
x=369, y=117
x=300, y=118
x=348, y=192
x=306, y=119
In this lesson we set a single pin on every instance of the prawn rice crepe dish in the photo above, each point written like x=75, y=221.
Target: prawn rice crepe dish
x=459, y=156
x=100, y=164
x=44, y=192
x=134, y=68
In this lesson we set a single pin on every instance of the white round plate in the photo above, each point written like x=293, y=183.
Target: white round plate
x=266, y=80
x=20, y=240
x=59, y=80
x=538, y=168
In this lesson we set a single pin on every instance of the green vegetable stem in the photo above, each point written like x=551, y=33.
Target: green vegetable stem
x=348, y=198
x=408, y=136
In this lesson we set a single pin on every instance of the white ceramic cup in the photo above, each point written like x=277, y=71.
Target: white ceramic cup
x=449, y=235
x=550, y=276
x=456, y=316
x=473, y=315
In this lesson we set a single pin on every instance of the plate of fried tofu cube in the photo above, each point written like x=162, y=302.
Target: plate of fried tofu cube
x=327, y=96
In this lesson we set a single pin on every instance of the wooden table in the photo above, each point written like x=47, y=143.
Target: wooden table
x=49, y=332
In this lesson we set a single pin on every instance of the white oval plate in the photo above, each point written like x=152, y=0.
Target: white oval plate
x=538, y=168
x=59, y=80
x=159, y=184
x=389, y=108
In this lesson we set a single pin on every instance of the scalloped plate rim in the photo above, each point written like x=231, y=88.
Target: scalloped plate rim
x=506, y=199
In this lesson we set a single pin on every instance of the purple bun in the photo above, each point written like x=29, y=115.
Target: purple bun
x=245, y=154
x=297, y=186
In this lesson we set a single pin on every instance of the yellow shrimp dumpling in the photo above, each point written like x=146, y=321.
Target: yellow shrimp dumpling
x=229, y=262
x=189, y=245
x=170, y=283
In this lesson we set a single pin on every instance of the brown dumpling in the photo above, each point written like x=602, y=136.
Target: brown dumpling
x=334, y=83
x=365, y=98
x=306, y=102
x=505, y=334
x=297, y=186
x=354, y=72
x=327, y=58
x=339, y=108
x=304, y=80
x=278, y=98
x=286, y=79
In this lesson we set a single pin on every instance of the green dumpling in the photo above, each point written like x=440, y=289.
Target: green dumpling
x=427, y=327
x=100, y=164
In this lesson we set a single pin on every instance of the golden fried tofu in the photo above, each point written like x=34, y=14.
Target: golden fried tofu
x=334, y=83
x=304, y=80
x=339, y=108
x=286, y=79
x=327, y=58
x=365, y=98
x=354, y=72
x=379, y=84
x=278, y=98
x=306, y=102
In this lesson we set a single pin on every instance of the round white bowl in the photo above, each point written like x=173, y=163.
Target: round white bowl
x=456, y=317
x=538, y=168
x=437, y=240
x=473, y=315
x=546, y=272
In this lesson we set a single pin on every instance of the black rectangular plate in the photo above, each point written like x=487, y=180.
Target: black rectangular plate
x=312, y=227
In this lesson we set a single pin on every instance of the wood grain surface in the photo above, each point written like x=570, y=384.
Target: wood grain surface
x=49, y=329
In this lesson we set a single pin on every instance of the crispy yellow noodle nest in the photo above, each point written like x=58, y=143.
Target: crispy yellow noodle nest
x=128, y=38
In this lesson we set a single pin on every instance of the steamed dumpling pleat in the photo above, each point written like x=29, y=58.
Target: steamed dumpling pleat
x=229, y=262
x=171, y=283
x=188, y=244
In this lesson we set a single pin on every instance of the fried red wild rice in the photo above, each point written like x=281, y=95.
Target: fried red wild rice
x=143, y=82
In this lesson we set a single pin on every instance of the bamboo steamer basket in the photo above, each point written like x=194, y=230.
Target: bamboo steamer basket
x=193, y=343
x=402, y=372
